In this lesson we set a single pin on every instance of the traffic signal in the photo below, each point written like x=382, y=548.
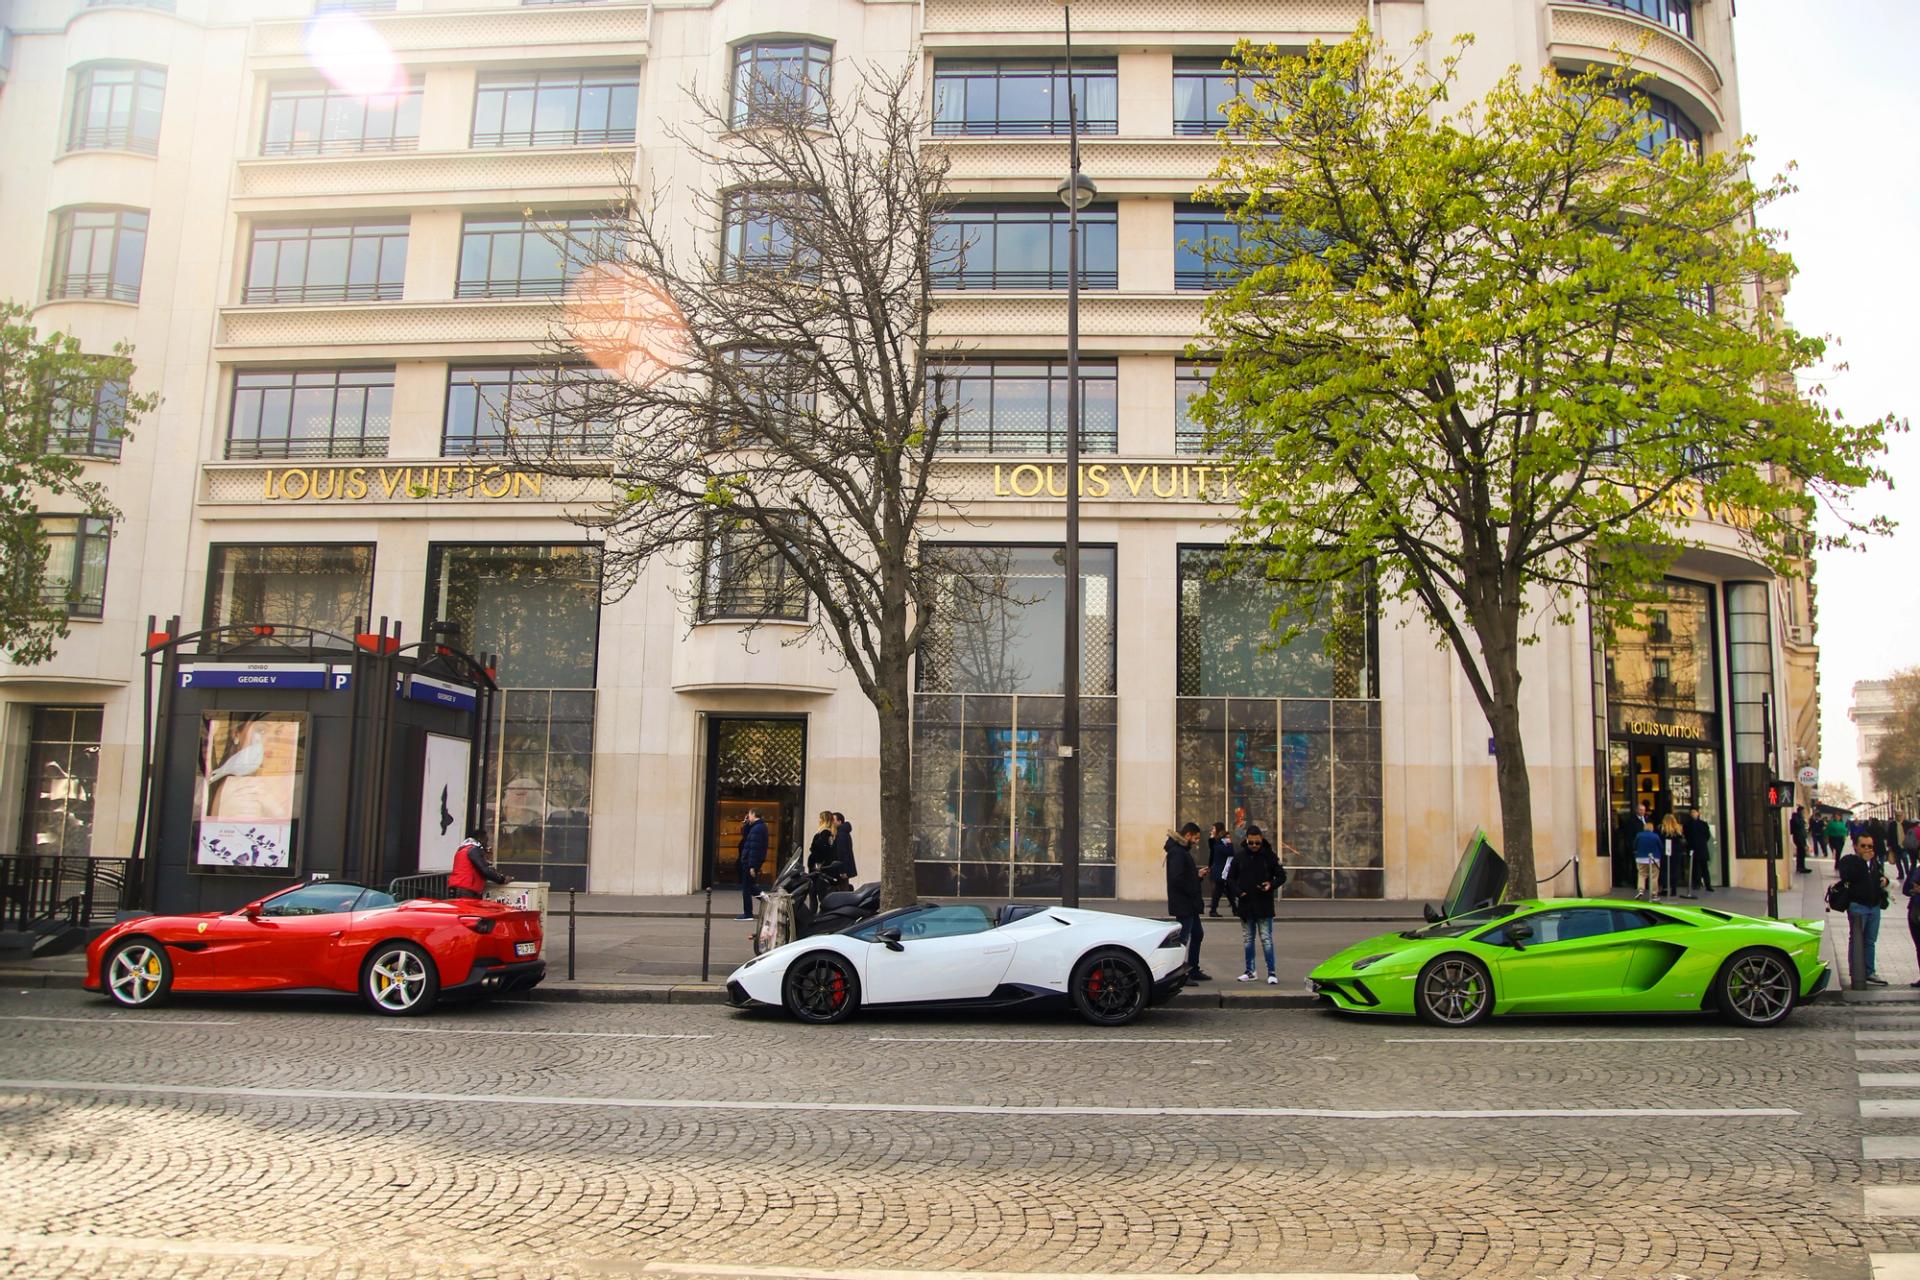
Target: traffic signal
x=1780, y=794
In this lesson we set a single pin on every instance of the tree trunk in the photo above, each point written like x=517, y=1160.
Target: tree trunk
x=897, y=887
x=1510, y=770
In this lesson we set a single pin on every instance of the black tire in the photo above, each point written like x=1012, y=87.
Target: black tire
x=1757, y=987
x=399, y=980
x=1453, y=991
x=1110, y=988
x=144, y=976
x=821, y=987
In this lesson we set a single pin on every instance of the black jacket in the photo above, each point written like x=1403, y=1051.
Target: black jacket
x=1183, y=879
x=753, y=845
x=1862, y=880
x=1219, y=853
x=820, y=850
x=843, y=850
x=1699, y=836
x=1797, y=827
x=1252, y=867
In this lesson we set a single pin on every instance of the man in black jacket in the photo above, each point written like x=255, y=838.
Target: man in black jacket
x=1183, y=894
x=1797, y=828
x=753, y=852
x=1699, y=838
x=843, y=846
x=1866, y=894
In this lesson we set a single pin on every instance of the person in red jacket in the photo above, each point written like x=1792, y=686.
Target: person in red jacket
x=472, y=871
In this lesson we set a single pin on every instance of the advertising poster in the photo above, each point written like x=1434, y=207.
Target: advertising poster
x=250, y=788
x=443, y=800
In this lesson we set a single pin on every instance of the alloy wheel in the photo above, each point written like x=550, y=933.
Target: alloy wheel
x=1454, y=991
x=135, y=974
x=821, y=988
x=1759, y=988
x=1111, y=988
x=397, y=980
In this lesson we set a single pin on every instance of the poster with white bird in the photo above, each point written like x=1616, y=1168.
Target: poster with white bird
x=251, y=784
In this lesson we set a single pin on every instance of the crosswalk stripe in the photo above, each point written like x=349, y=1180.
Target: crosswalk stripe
x=1886, y=1055
x=1891, y=1109
x=1895, y=1266
x=1890, y=1079
x=1892, y=1202
x=1890, y=1148
x=1888, y=1035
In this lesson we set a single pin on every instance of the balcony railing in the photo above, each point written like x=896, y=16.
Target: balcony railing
x=163, y=6
x=112, y=138
x=1021, y=128
x=340, y=146
x=340, y=446
x=588, y=445
x=100, y=284
x=1675, y=15
x=377, y=291
x=553, y=137
x=1034, y=280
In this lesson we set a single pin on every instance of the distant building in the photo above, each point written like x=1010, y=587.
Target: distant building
x=1872, y=713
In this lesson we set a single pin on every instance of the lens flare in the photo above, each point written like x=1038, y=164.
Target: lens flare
x=626, y=323
x=345, y=48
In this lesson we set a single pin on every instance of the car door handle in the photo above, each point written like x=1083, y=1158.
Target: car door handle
x=996, y=951
x=336, y=933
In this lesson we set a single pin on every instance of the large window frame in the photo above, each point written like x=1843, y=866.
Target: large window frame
x=1207, y=247
x=744, y=577
x=117, y=106
x=225, y=572
x=556, y=107
x=350, y=260
x=1202, y=87
x=1023, y=247
x=528, y=257
x=1675, y=15
x=356, y=405
x=318, y=120
x=78, y=551
x=755, y=238
x=973, y=97
x=961, y=384
x=518, y=399
x=63, y=768
x=774, y=74
x=1351, y=669
x=92, y=429
x=1190, y=379
x=108, y=245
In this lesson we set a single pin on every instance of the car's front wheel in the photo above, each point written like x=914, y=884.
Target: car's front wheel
x=137, y=974
x=1756, y=988
x=399, y=980
x=821, y=987
x=1453, y=991
x=1110, y=988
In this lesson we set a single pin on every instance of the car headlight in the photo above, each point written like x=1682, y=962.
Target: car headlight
x=1361, y=964
x=756, y=960
x=1175, y=938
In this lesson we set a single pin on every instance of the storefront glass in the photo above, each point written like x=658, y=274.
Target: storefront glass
x=326, y=587
x=538, y=608
x=63, y=761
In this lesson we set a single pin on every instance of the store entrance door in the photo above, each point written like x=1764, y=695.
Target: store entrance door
x=1666, y=777
x=753, y=764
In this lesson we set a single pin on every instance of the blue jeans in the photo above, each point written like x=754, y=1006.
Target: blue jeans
x=1191, y=931
x=1863, y=937
x=1263, y=927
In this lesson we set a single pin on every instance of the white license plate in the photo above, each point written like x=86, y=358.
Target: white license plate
x=525, y=948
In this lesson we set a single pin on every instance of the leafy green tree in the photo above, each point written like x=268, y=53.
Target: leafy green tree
x=1894, y=761
x=1503, y=352
x=45, y=385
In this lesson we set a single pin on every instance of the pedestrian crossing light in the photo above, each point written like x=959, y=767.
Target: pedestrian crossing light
x=1780, y=794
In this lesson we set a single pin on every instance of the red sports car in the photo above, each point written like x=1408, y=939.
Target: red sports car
x=326, y=935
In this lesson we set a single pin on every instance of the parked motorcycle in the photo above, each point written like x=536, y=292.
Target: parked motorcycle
x=805, y=903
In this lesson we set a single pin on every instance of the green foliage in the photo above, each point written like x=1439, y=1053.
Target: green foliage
x=1503, y=351
x=1894, y=761
x=39, y=379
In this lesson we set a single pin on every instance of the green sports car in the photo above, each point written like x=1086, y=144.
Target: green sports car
x=1575, y=955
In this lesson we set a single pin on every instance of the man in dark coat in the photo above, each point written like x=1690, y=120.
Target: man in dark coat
x=1797, y=827
x=753, y=852
x=1183, y=894
x=1219, y=863
x=1257, y=877
x=843, y=846
x=1699, y=838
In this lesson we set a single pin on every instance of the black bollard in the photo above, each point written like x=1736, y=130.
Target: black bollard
x=570, y=947
x=706, y=937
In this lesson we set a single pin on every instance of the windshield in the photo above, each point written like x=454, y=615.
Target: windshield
x=1465, y=922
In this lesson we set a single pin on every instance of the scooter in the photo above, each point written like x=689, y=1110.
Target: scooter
x=805, y=904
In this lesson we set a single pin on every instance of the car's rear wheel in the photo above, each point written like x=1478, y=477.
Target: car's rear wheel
x=399, y=980
x=1110, y=988
x=1756, y=987
x=821, y=988
x=1453, y=991
x=137, y=974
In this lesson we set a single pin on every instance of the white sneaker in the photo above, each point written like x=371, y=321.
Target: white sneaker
x=1273, y=980
x=1245, y=977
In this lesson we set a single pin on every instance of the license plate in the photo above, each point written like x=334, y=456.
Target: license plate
x=525, y=948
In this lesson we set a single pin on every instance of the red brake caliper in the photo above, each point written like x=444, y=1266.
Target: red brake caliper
x=838, y=989
x=1094, y=981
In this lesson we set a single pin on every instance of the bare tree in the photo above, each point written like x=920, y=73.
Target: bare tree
x=761, y=397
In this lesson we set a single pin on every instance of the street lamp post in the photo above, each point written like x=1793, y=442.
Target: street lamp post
x=1077, y=192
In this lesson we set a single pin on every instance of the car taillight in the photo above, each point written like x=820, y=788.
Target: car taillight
x=479, y=924
x=1174, y=938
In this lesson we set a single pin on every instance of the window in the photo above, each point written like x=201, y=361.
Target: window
x=326, y=586
x=99, y=253
x=1670, y=125
x=556, y=108
x=1674, y=14
x=1190, y=380
x=1678, y=677
x=117, y=108
x=774, y=75
x=529, y=257
x=63, y=762
x=746, y=576
x=773, y=384
x=91, y=428
x=1020, y=406
x=1024, y=97
x=999, y=623
x=1023, y=248
x=1227, y=641
x=324, y=898
x=1206, y=248
x=542, y=407
x=75, y=576
x=327, y=262
x=538, y=608
x=1202, y=88
x=311, y=413
x=1568, y=924
x=319, y=120
x=757, y=235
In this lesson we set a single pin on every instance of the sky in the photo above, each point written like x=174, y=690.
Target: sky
x=1829, y=84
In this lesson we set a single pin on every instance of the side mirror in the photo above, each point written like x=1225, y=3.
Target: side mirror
x=252, y=910
x=1519, y=933
x=891, y=938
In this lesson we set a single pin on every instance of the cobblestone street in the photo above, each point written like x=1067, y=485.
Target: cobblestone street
x=308, y=1139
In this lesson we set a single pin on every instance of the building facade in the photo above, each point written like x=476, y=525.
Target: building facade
x=1875, y=712
x=320, y=233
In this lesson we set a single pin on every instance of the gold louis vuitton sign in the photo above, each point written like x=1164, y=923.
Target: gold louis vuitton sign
x=1166, y=482
x=396, y=484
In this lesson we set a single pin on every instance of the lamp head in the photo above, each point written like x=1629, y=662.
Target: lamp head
x=1078, y=191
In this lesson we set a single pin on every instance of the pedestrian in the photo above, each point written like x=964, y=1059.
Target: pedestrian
x=1220, y=869
x=1183, y=895
x=753, y=852
x=1676, y=866
x=472, y=871
x=1239, y=828
x=1836, y=835
x=1257, y=876
x=1624, y=832
x=1910, y=888
x=1910, y=846
x=1699, y=850
x=1797, y=827
x=1646, y=855
x=1866, y=896
x=843, y=845
x=820, y=848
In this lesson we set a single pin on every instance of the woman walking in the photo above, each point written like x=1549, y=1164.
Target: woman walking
x=820, y=849
x=1676, y=872
x=1257, y=876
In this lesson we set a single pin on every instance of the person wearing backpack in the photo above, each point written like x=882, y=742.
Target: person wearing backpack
x=1865, y=894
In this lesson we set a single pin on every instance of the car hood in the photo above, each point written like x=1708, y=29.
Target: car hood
x=1379, y=944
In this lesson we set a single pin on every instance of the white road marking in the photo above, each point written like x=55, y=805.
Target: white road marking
x=1892, y=1202
x=1890, y=1079
x=169, y=1245
x=1890, y=1148
x=1891, y=1109
x=1039, y=1040
x=121, y=1021
x=1895, y=1266
x=1886, y=1055
x=1524, y=1040
x=722, y=1272
x=898, y=1108
x=502, y=1031
x=1888, y=1035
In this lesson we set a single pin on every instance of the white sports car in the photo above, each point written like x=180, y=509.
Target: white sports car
x=1108, y=967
